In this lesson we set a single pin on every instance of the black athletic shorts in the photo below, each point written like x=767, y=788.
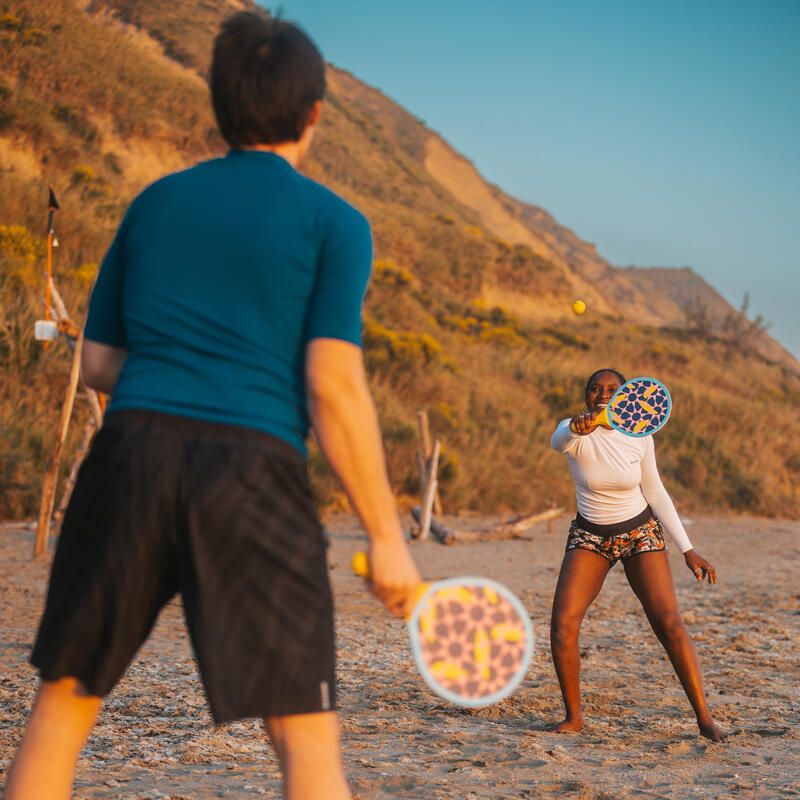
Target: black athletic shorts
x=223, y=515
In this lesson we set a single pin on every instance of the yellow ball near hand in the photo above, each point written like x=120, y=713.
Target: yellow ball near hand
x=360, y=564
x=579, y=306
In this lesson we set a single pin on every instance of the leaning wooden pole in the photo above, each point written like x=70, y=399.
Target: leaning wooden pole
x=89, y=431
x=427, y=453
x=430, y=492
x=51, y=471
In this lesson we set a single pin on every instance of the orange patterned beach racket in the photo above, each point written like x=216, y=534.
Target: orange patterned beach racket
x=471, y=638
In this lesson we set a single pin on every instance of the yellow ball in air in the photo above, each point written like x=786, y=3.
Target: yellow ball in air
x=579, y=306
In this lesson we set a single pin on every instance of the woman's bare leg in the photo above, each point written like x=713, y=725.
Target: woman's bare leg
x=581, y=578
x=650, y=578
x=44, y=766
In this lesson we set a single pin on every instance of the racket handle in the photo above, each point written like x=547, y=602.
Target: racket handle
x=360, y=565
x=600, y=419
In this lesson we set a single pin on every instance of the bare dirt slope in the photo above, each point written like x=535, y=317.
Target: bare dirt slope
x=154, y=738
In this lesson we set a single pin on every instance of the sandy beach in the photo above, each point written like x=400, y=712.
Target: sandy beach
x=154, y=738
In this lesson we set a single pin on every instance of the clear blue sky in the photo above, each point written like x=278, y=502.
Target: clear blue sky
x=667, y=133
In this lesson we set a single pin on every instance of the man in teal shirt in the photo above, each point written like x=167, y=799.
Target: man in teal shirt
x=225, y=319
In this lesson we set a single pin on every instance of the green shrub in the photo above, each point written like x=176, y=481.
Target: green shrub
x=386, y=272
x=558, y=400
x=111, y=160
x=565, y=337
x=8, y=22
x=505, y=336
x=444, y=416
x=75, y=121
x=383, y=345
x=411, y=483
x=396, y=430
x=21, y=253
x=449, y=464
x=34, y=36
x=83, y=174
x=86, y=273
x=522, y=252
x=6, y=119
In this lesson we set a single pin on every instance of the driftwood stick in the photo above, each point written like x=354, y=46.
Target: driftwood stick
x=439, y=531
x=424, y=433
x=420, y=459
x=520, y=524
x=430, y=491
x=95, y=405
x=515, y=529
x=58, y=303
x=423, y=471
x=69, y=483
x=427, y=452
x=22, y=525
x=51, y=471
x=71, y=331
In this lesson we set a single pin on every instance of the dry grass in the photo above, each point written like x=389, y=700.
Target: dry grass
x=466, y=323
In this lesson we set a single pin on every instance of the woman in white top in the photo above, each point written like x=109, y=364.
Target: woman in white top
x=622, y=506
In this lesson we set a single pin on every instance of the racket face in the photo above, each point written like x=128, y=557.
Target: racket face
x=472, y=640
x=640, y=407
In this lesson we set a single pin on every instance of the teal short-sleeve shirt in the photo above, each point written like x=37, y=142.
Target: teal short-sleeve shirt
x=216, y=280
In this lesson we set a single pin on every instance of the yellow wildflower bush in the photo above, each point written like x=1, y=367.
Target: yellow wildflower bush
x=505, y=336
x=384, y=346
x=20, y=254
x=83, y=174
x=449, y=464
x=86, y=273
x=8, y=22
x=386, y=272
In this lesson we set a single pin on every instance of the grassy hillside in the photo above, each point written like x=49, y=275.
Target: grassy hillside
x=469, y=323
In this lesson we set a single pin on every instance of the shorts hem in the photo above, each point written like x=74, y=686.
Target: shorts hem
x=237, y=716
x=611, y=561
x=51, y=675
x=647, y=538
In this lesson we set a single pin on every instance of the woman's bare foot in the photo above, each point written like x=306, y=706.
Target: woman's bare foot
x=711, y=731
x=569, y=725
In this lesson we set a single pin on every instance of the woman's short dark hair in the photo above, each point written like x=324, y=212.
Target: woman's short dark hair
x=597, y=372
x=266, y=75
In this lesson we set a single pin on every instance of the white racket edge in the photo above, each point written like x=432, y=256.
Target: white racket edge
x=416, y=648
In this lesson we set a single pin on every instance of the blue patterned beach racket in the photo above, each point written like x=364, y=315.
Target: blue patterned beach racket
x=638, y=408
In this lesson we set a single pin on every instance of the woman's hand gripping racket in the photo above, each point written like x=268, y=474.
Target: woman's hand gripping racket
x=471, y=638
x=638, y=408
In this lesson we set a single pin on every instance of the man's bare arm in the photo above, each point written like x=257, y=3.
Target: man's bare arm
x=346, y=425
x=101, y=365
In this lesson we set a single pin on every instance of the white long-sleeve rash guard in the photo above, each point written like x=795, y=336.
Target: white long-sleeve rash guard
x=616, y=477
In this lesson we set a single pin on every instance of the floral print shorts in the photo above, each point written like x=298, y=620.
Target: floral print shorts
x=647, y=538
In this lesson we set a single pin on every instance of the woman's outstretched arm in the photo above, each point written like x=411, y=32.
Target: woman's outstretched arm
x=562, y=437
x=663, y=507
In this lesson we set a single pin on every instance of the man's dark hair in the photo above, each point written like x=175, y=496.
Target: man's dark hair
x=597, y=372
x=266, y=75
